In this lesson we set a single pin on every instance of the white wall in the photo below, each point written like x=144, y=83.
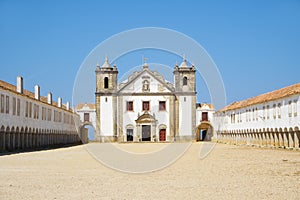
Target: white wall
x=222, y=121
x=15, y=121
x=106, y=116
x=185, y=116
x=86, y=109
x=129, y=117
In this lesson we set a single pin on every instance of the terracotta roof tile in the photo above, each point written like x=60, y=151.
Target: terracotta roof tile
x=81, y=105
x=270, y=96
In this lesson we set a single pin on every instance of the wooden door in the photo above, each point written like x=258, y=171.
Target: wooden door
x=162, y=135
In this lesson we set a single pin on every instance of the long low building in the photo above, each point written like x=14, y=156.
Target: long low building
x=29, y=121
x=270, y=119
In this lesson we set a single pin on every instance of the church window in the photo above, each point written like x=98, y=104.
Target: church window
x=256, y=114
x=264, y=112
x=106, y=82
x=2, y=103
x=7, y=104
x=30, y=109
x=290, y=108
x=204, y=116
x=86, y=117
x=26, y=109
x=105, y=99
x=49, y=114
x=184, y=81
x=232, y=118
x=274, y=111
x=129, y=106
x=14, y=105
x=18, y=107
x=268, y=111
x=162, y=105
x=279, y=110
x=43, y=113
x=249, y=115
x=146, y=105
x=295, y=108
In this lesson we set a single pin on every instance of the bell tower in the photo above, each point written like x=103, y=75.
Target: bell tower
x=106, y=102
x=185, y=109
x=184, y=77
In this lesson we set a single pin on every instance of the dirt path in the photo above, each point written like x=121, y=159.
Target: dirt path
x=228, y=172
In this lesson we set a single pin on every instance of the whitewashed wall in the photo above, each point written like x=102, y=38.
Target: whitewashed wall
x=10, y=120
x=106, y=116
x=185, y=116
x=260, y=119
x=129, y=117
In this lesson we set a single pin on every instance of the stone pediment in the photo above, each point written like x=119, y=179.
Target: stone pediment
x=145, y=81
x=145, y=118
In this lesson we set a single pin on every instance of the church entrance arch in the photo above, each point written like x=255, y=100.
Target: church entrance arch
x=146, y=126
x=87, y=131
x=204, y=132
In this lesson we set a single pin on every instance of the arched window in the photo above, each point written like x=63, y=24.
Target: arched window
x=105, y=82
x=184, y=80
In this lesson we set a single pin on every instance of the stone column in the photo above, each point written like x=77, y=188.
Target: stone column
x=267, y=137
x=276, y=139
x=13, y=140
x=280, y=139
x=271, y=135
x=22, y=139
x=285, y=139
x=260, y=139
x=296, y=139
x=291, y=139
x=7, y=143
x=16, y=140
x=2, y=145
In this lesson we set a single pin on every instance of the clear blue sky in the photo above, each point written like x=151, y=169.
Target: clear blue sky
x=255, y=44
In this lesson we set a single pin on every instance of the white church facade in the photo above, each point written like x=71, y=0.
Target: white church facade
x=145, y=107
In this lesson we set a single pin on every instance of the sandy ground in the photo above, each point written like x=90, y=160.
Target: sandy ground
x=228, y=172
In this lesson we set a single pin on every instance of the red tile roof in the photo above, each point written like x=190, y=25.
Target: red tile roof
x=270, y=96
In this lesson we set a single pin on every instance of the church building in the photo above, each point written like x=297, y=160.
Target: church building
x=145, y=107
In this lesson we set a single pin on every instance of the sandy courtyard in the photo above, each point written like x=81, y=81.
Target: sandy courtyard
x=228, y=172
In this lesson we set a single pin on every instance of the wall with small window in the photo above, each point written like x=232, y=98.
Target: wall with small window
x=20, y=110
x=279, y=113
x=134, y=106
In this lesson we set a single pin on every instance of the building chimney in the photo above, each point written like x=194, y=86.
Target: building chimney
x=37, y=92
x=68, y=105
x=49, y=98
x=59, y=102
x=20, y=84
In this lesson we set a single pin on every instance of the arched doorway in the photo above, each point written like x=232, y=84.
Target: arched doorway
x=87, y=132
x=204, y=132
x=162, y=132
x=146, y=126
